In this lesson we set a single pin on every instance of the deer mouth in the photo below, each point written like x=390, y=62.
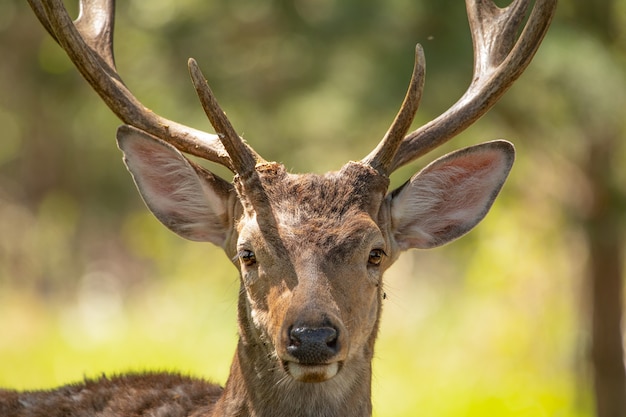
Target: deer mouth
x=312, y=373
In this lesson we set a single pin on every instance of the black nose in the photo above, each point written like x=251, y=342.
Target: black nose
x=313, y=345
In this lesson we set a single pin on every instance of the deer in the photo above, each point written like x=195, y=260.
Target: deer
x=310, y=249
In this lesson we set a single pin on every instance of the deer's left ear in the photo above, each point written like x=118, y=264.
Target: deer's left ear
x=450, y=196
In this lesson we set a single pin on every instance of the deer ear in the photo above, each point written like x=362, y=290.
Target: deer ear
x=450, y=196
x=186, y=198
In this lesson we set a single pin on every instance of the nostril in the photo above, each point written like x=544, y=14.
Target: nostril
x=331, y=338
x=313, y=345
x=331, y=341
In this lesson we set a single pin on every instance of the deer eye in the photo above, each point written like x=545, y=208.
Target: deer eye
x=376, y=257
x=247, y=257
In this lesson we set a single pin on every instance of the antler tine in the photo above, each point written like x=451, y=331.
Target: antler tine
x=88, y=43
x=95, y=22
x=244, y=159
x=382, y=156
x=499, y=59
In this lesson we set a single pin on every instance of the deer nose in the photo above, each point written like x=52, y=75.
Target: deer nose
x=313, y=345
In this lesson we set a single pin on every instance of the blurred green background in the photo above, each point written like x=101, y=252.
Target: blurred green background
x=495, y=324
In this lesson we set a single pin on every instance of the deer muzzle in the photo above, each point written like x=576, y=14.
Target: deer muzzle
x=314, y=351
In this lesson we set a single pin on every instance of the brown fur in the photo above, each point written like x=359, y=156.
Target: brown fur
x=311, y=223
x=132, y=395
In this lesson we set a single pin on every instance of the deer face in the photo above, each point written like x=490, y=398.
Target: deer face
x=311, y=249
x=311, y=260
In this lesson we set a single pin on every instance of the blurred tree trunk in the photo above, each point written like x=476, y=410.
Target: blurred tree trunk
x=605, y=240
x=602, y=229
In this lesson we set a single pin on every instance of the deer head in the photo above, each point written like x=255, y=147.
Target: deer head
x=311, y=249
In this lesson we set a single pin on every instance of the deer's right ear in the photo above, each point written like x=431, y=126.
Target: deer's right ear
x=186, y=198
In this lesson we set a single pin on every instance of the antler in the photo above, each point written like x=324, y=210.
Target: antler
x=89, y=43
x=500, y=57
x=244, y=159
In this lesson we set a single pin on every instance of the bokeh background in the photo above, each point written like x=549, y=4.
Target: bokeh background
x=499, y=323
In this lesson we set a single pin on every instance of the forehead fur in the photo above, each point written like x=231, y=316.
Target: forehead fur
x=336, y=205
x=355, y=187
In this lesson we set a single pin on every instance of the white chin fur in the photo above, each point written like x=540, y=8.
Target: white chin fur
x=312, y=373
